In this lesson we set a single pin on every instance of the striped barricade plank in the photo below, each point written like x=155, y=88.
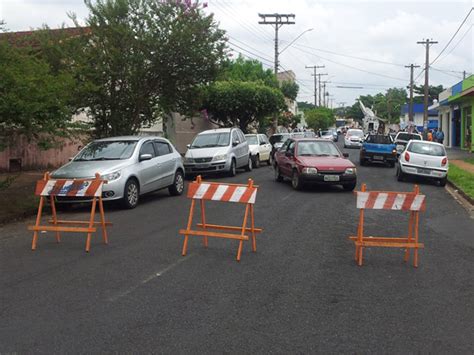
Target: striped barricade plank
x=222, y=192
x=399, y=201
x=69, y=188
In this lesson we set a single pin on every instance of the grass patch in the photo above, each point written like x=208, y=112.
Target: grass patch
x=469, y=160
x=462, y=179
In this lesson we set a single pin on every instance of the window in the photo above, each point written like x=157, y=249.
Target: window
x=107, y=150
x=427, y=149
x=208, y=140
x=263, y=138
x=162, y=148
x=285, y=145
x=252, y=140
x=379, y=139
x=147, y=148
x=241, y=136
x=291, y=147
x=235, y=137
x=317, y=148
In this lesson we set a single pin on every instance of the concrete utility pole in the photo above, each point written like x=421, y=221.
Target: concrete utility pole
x=410, y=111
x=314, y=67
x=276, y=20
x=427, y=44
x=319, y=82
x=464, y=74
x=325, y=94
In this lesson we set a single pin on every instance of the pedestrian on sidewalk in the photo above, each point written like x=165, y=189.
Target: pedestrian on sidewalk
x=429, y=136
x=435, y=135
x=440, y=136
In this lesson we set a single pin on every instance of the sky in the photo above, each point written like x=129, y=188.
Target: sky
x=363, y=45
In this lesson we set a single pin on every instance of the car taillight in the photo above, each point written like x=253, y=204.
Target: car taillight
x=407, y=156
x=444, y=161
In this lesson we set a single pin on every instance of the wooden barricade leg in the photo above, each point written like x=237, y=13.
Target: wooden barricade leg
x=415, y=257
x=105, y=238
x=38, y=221
x=360, y=233
x=91, y=224
x=203, y=222
x=244, y=226
x=252, y=227
x=410, y=235
x=55, y=218
x=190, y=222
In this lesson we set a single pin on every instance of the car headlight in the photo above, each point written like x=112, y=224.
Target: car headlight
x=310, y=171
x=112, y=176
x=188, y=160
x=219, y=157
x=350, y=171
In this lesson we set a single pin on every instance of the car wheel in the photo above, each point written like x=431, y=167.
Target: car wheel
x=278, y=176
x=233, y=168
x=131, y=194
x=443, y=181
x=296, y=180
x=363, y=162
x=256, y=162
x=349, y=187
x=178, y=185
x=392, y=164
x=400, y=174
x=248, y=167
x=270, y=160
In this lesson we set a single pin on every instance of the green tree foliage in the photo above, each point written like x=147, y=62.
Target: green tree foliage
x=241, y=103
x=242, y=69
x=289, y=89
x=35, y=99
x=319, y=118
x=305, y=105
x=433, y=93
x=144, y=57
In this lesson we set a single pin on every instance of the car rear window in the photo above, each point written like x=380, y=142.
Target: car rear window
x=427, y=149
x=408, y=136
x=379, y=139
x=276, y=138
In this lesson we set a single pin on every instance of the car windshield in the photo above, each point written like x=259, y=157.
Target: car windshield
x=325, y=133
x=279, y=138
x=209, y=140
x=107, y=150
x=252, y=140
x=427, y=149
x=356, y=133
x=379, y=139
x=316, y=148
x=408, y=136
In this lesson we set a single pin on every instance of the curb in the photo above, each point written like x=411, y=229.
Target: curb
x=461, y=192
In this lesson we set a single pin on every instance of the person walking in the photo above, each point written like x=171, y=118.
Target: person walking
x=435, y=135
x=430, y=136
x=440, y=136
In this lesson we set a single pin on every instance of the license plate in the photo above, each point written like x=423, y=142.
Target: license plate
x=423, y=171
x=378, y=157
x=331, y=178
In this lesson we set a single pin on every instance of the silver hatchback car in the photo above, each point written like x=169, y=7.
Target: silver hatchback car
x=220, y=150
x=132, y=166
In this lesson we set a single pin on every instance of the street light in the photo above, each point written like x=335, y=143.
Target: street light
x=302, y=33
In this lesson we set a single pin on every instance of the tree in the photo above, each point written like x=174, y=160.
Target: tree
x=242, y=69
x=419, y=93
x=142, y=58
x=289, y=89
x=319, y=118
x=241, y=103
x=305, y=105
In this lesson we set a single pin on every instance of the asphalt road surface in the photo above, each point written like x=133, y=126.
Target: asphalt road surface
x=301, y=292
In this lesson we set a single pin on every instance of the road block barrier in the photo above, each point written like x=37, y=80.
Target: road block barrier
x=212, y=191
x=413, y=202
x=53, y=188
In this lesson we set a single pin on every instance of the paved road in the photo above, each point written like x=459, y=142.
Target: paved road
x=301, y=292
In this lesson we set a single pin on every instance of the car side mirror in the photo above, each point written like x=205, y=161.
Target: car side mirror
x=188, y=146
x=70, y=158
x=234, y=143
x=345, y=155
x=262, y=143
x=145, y=157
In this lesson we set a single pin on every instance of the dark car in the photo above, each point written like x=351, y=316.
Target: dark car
x=378, y=148
x=277, y=141
x=313, y=160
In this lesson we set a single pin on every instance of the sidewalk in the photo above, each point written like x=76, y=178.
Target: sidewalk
x=458, y=154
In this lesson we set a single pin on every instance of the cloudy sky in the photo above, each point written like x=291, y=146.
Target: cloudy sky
x=363, y=44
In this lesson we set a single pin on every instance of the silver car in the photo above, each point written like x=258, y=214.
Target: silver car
x=220, y=150
x=132, y=166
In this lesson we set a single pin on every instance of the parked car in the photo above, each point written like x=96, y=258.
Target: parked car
x=277, y=140
x=313, y=160
x=330, y=134
x=426, y=159
x=353, y=138
x=378, y=148
x=260, y=148
x=132, y=166
x=222, y=150
x=402, y=138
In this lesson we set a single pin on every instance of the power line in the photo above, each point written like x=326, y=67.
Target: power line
x=454, y=35
x=253, y=49
x=246, y=50
x=455, y=46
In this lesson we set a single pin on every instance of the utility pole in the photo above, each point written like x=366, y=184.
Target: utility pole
x=427, y=44
x=319, y=82
x=464, y=74
x=276, y=20
x=325, y=103
x=410, y=110
x=314, y=67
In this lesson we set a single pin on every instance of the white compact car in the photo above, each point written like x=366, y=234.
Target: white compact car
x=353, y=138
x=260, y=148
x=426, y=159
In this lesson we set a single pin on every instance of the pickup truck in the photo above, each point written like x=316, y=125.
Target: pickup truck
x=402, y=139
x=378, y=148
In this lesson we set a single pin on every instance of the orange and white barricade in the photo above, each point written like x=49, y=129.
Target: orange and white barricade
x=64, y=188
x=212, y=191
x=412, y=202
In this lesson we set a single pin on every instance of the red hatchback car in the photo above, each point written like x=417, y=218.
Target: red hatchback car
x=310, y=160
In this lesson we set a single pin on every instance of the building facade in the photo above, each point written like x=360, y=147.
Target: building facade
x=418, y=110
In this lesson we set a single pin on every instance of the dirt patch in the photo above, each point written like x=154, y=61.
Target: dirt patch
x=463, y=165
x=17, y=195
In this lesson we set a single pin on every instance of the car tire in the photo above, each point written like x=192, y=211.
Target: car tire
x=349, y=187
x=233, y=168
x=178, y=184
x=363, y=162
x=249, y=165
x=270, y=160
x=442, y=182
x=400, y=174
x=131, y=194
x=296, y=182
x=278, y=176
x=392, y=164
x=256, y=162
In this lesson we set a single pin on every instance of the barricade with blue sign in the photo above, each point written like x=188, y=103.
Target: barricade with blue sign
x=88, y=189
